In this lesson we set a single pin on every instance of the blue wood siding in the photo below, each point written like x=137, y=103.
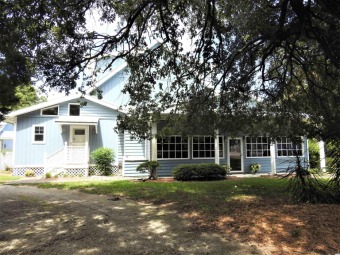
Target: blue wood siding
x=28, y=153
x=112, y=89
x=134, y=147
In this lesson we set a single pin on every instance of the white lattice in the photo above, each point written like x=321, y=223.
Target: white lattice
x=76, y=155
x=75, y=172
x=20, y=171
x=94, y=171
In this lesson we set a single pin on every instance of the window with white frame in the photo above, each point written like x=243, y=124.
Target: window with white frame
x=286, y=148
x=50, y=111
x=258, y=147
x=38, y=134
x=204, y=146
x=74, y=109
x=172, y=147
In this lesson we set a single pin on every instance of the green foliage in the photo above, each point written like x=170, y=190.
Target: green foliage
x=29, y=173
x=314, y=153
x=254, y=168
x=307, y=188
x=103, y=159
x=48, y=175
x=149, y=166
x=204, y=171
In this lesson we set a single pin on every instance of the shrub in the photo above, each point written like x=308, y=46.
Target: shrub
x=48, y=175
x=103, y=159
x=149, y=166
x=205, y=171
x=254, y=168
x=29, y=173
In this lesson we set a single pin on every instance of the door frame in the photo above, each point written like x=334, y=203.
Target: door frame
x=72, y=127
x=241, y=148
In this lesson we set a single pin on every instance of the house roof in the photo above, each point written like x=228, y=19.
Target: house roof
x=43, y=105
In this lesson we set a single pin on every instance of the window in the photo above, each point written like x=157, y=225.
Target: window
x=74, y=109
x=286, y=148
x=51, y=111
x=38, y=134
x=172, y=147
x=258, y=146
x=204, y=146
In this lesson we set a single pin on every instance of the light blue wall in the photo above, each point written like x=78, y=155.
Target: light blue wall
x=28, y=153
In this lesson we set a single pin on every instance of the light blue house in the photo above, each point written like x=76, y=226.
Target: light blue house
x=59, y=135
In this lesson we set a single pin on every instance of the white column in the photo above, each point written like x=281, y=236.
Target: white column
x=65, y=153
x=217, y=147
x=154, y=142
x=272, y=158
x=322, y=156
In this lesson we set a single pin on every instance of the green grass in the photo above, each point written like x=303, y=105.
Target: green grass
x=7, y=176
x=201, y=196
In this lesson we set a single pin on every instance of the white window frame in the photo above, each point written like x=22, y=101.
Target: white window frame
x=188, y=143
x=251, y=143
x=69, y=107
x=41, y=111
x=33, y=134
x=277, y=149
x=213, y=139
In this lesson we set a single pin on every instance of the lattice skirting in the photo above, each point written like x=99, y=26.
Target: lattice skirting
x=94, y=171
x=20, y=171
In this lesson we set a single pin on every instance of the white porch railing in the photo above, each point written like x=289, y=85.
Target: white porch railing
x=66, y=156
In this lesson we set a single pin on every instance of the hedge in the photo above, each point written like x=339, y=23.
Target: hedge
x=203, y=171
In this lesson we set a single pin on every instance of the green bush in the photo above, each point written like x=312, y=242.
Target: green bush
x=254, y=168
x=48, y=175
x=314, y=153
x=29, y=173
x=204, y=171
x=149, y=166
x=103, y=159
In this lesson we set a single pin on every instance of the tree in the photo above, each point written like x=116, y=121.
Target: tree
x=253, y=65
x=27, y=96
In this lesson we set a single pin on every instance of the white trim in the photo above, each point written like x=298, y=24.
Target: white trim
x=33, y=134
x=41, y=111
x=241, y=151
x=292, y=156
x=259, y=157
x=181, y=150
x=68, y=109
x=192, y=147
x=14, y=140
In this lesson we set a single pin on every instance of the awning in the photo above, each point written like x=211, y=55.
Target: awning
x=77, y=120
x=7, y=135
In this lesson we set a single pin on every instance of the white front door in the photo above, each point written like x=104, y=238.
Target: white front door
x=79, y=135
x=235, y=157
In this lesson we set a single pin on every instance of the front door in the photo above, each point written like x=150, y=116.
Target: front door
x=235, y=159
x=79, y=135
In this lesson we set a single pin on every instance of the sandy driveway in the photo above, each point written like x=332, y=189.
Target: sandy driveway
x=40, y=221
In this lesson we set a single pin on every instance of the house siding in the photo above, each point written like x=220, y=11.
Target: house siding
x=29, y=153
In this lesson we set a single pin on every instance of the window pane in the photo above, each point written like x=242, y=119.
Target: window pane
x=50, y=111
x=74, y=109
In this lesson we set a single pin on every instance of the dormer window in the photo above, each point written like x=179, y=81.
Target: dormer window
x=50, y=111
x=74, y=109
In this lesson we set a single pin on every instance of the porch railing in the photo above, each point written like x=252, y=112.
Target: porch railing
x=68, y=155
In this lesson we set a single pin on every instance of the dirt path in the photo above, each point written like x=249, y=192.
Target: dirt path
x=39, y=221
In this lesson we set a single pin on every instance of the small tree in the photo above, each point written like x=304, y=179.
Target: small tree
x=103, y=159
x=151, y=167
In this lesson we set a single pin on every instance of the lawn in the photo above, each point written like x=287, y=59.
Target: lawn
x=257, y=211
x=7, y=176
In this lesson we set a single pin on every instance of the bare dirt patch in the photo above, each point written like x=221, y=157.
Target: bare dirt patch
x=40, y=221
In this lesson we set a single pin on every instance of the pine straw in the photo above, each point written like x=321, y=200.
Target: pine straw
x=276, y=227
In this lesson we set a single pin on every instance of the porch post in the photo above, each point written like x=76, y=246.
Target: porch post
x=322, y=156
x=154, y=142
x=217, y=147
x=87, y=156
x=65, y=154
x=272, y=158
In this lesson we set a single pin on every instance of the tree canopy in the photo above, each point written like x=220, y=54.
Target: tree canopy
x=264, y=66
